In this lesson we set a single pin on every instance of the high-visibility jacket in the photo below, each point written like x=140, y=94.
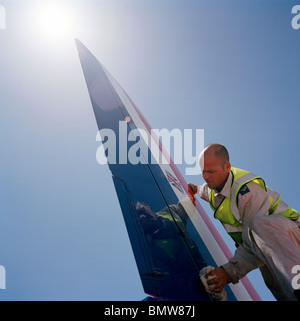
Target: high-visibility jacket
x=228, y=213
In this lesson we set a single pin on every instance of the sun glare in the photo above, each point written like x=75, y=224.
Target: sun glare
x=54, y=20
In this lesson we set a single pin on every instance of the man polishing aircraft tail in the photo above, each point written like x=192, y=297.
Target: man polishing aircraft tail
x=171, y=236
x=264, y=228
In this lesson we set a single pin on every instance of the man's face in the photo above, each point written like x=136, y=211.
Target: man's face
x=214, y=172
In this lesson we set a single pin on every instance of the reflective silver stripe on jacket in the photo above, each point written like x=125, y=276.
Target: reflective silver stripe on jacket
x=233, y=206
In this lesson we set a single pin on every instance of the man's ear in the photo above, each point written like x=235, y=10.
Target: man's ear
x=227, y=167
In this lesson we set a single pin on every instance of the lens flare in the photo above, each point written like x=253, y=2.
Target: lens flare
x=54, y=19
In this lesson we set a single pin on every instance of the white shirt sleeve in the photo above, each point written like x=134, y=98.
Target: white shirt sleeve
x=254, y=201
x=203, y=191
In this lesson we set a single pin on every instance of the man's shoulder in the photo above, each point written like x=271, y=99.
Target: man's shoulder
x=244, y=190
x=250, y=188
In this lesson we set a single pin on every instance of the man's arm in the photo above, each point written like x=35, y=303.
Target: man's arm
x=254, y=201
x=202, y=190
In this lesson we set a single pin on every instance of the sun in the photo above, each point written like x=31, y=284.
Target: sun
x=53, y=19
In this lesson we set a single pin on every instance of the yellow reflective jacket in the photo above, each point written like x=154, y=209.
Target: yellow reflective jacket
x=227, y=212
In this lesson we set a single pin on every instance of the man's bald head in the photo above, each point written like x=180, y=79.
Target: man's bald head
x=219, y=151
x=214, y=165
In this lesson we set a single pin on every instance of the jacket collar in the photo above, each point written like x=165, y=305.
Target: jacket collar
x=226, y=189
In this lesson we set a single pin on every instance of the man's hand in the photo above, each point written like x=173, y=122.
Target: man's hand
x=193, y=187
x=220, y=279
x=192, y=191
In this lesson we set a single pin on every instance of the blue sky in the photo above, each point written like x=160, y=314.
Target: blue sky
x=228, y=67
